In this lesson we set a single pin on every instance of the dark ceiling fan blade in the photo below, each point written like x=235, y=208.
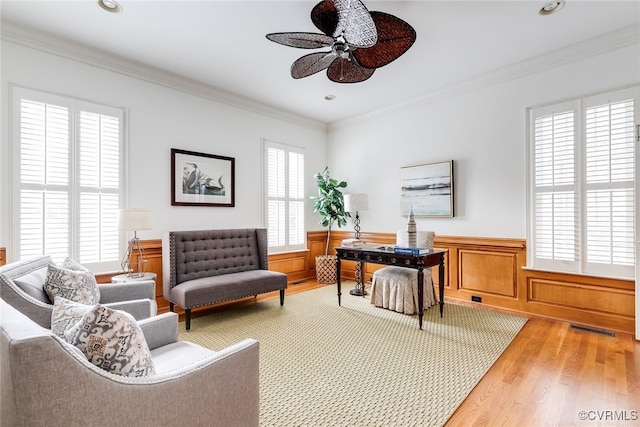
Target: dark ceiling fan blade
x=395, y=37
x=355, y=23
x=311, y=64
x=301, y=40
x=347, y=18
x=324, y=16
x=343, y=70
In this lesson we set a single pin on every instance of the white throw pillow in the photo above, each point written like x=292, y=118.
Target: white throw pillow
x=112, y=340
x=66, y=314
x=77, y=285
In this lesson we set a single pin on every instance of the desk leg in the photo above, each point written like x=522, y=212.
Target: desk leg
x=441, y=283
x=420, y=295
x=338, y=267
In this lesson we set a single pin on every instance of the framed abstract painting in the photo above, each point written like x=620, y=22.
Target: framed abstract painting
x=427, y=189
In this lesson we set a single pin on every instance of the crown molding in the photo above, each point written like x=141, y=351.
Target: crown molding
x=31, y=38
x=625, y=37
x=34, y=39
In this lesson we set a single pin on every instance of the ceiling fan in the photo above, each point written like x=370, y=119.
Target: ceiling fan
x=360, y=41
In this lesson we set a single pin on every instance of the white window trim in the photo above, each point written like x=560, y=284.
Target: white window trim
x=16, y=94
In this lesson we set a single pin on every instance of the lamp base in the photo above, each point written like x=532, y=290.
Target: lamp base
x=358, y=292
x=134, y=257
x=135, y=274
x=359, y=289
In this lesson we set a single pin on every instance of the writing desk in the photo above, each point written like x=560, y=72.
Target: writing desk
x=375, y=255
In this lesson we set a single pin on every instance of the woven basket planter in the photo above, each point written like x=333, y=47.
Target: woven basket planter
x=326, y=271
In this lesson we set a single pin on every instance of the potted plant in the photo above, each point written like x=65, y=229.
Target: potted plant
x=329, y=203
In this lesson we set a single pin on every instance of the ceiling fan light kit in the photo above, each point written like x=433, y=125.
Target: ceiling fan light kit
x=360, y=41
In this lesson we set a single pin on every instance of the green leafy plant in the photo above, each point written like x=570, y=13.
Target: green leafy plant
x=329, y=202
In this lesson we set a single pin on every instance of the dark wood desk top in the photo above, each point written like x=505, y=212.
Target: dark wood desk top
x=375, y=254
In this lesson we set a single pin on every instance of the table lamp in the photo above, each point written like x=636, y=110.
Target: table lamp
x=134, y=220
x=356, y=203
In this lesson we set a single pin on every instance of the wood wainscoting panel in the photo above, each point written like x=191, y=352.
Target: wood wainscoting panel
x=491, y=268
x=489, y=272
x=595, y=301
x=293, y=264
x=153, y=252
x=583, y=297
x=316, y=243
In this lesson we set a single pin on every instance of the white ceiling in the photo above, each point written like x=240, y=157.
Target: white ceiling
x=222, y=43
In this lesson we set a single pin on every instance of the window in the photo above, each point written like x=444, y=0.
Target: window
x=67, y=180
x=284, y=166
x=582, y=185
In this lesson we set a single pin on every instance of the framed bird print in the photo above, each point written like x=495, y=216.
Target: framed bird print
x=199, y=179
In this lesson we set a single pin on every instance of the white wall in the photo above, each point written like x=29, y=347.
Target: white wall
x=161, y=118
x=484, y=130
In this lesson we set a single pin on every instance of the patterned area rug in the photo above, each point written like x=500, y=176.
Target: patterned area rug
x=358, y=365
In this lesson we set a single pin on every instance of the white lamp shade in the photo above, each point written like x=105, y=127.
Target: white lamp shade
x=134, y=219
x=358, y=202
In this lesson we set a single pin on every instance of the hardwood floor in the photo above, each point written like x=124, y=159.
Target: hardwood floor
x=554, y=375
x=550, y=375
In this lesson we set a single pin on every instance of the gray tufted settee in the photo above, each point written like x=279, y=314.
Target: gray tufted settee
x=202, y=267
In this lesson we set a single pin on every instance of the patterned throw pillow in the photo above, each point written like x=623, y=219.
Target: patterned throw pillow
x=75, y=285
x=66, y=314
x=74, y=265
x=112, y=340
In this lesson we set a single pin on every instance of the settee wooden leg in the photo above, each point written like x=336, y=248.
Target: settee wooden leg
x=170, y=306
x=188, y=320
x=281, y=296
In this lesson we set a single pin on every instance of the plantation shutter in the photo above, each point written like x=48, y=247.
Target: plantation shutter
x=99, y=166
x=70, y=185
x=276, y=216
x=609, y=184
x=285, y=197
x=556, y=214
x=583, y=185
x=296, y=200
x=44, y=209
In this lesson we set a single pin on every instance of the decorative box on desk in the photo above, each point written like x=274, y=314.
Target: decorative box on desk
x=123, y=278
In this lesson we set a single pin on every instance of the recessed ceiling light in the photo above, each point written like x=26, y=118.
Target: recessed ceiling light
x=110, y=6
x=330, y=97
x=551, y=7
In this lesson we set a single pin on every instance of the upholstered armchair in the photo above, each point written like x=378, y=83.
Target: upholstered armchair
x=22, y=286
x=48, y=381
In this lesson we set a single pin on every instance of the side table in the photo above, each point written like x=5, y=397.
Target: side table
x=123, y=278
